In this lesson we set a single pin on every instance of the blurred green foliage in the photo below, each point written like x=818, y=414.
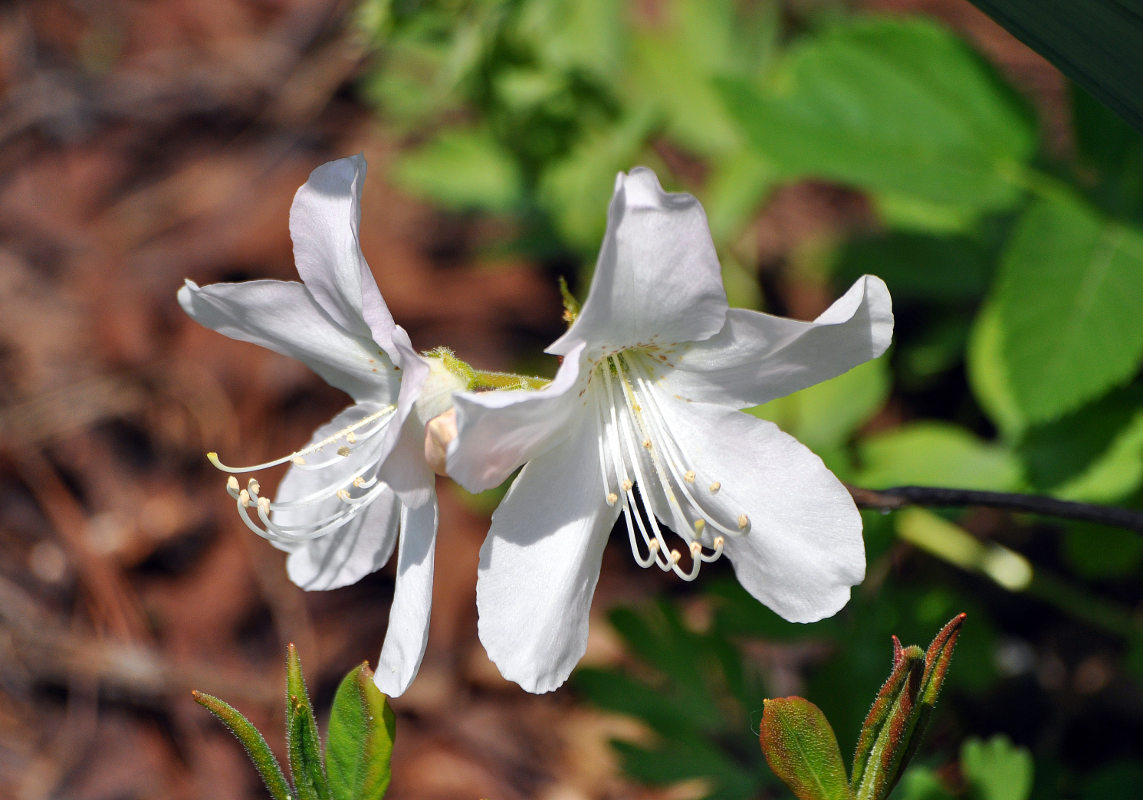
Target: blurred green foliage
x=1017, y=275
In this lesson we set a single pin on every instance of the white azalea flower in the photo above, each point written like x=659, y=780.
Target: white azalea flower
x=643, y=420
x=362, y=483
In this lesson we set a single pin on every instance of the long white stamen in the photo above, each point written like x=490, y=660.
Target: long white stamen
x=298, y=457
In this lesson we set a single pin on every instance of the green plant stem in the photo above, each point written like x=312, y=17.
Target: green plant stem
x=899, y=497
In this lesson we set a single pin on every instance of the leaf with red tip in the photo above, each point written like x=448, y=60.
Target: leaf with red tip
x=801, y=748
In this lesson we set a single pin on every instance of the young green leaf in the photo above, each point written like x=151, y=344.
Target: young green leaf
x=878, y=758
x=301, y=734
x=997, y=769
x=1067, y=300
x=361, y=733
x=889, y=106
x=252, y=741
x=801, y=748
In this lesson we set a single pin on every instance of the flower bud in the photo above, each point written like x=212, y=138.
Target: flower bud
x=439, y=432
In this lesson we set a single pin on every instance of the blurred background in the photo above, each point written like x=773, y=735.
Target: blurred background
x=142, y=143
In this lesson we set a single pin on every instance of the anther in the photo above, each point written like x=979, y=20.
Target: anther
x=343, y=451
x=714, y=487
x=253, y=487
x=653, y=545
x=359, y=482
x=351, y=437
x=743, y=522
x=690, y=476
x=627, y=485
x=264, y=505
x=343, y=494
x=612, y=498
x=244, y=497
x=647, y=444
x=676, y=556
x=232, y=484
x=696, y=548
x=298, y=460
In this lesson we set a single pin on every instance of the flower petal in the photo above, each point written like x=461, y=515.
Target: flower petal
x=408, y=632
x=345, y=556
x=499, y=431
x=803, y=549
x=405, y=470
x=758, y=357
x=657, y=280
x=283, y=317
x=324, y=222
x=540, y=563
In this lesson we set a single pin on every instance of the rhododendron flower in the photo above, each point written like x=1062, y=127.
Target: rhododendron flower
x=361, y=485
x=643, y=421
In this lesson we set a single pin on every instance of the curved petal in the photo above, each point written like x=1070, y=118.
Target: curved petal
x=657, y=281
x=345, y=556
x=324, y=222
x=758, y=357
x=408, y=632
x=283, y=317
x=540, y=563
x=405, y=471
x=802, y=550
x=499, y=431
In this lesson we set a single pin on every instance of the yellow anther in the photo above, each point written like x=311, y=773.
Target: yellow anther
x=351, y=437
x=696, y=548
x=612, y=498
x=253, y=486
x=359, y=482
x=714, y=487
x=627, y=485
x=647, y=444
x=690, y=476
x=343, y=494
x=343, y=451
x=244, y=497
x=719, y=542
x=232, y=483
x=743, y=522
x=653, y=545
x=676, y=556
x=298, y=460
x=264, y=505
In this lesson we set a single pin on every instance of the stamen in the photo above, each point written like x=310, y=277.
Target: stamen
x=612, y=498
x=714, y=487
x=232, y=485
x=253, y=487
x=627, y=485
x=298, y=457
x=690, y=476
x=343, y=451
x=743, y=522
x=244, y=498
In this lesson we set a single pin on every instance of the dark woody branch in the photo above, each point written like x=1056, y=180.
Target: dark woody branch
x=938, y=497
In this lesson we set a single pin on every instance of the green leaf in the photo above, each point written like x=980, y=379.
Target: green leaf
x=997, y=769
x=988, y=376
x=801, y=748
x=896, y=106
x=461, y=169
x=879, y=756
x=1067, y=300
x=362, y=729
x=301, y=734
x=1098, y=43
x=935, y=454
x=252, y=741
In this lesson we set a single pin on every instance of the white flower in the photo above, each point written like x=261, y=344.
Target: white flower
x=643, y=420
x=362, y=483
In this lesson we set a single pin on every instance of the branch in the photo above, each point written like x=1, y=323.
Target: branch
x=936, y=497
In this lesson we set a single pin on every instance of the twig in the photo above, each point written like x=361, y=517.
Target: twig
x=938, y=497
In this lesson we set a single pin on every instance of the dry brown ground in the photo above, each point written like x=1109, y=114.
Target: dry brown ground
x=145, y=142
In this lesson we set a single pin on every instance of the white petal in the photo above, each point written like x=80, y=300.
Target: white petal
x=345, y=556
x=408, y=631
x=803, y=548
x=540, y=563
x=405, y=470
x=499, y=431
x=283, y=317
x=758, y=357
x=657, y=280
x=324, y=223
